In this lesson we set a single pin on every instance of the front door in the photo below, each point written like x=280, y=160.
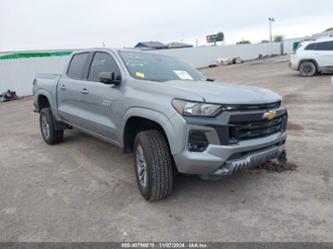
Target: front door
x=101, y=101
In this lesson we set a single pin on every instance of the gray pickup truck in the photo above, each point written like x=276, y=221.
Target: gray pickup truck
x=170, y=115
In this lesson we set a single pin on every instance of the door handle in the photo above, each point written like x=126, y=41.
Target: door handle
x=63, y=88
x=84, y=91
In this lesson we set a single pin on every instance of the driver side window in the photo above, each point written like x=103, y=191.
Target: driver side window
x=102, y=62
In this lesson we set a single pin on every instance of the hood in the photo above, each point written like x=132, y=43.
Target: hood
x=225, y=93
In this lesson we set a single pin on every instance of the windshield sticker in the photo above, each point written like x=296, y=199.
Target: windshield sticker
x=183, y=75
x=140, y=74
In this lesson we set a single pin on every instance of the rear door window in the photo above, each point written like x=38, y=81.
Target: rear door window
x=102, y=62
x=325, y=46
x=76, y=66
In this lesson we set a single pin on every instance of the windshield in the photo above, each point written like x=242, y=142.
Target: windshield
x=155, y=67
x=299, y=45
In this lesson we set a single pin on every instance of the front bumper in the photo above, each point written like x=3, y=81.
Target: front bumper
x=234, y=141
x=249, y=161
x=228, y=159
x=293, y=66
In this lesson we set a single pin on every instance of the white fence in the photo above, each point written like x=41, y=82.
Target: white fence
x=17, y=74
x=205, y=56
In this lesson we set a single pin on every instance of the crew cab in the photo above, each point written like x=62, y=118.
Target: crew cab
x=313, y=56
x=168, y=113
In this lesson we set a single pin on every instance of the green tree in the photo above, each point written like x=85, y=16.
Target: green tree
x=278, y=38
x=329, y=29
x=243, y=42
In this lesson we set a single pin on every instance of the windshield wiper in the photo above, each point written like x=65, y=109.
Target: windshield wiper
x=208, y=79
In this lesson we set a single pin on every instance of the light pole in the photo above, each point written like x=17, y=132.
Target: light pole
x=271, y=19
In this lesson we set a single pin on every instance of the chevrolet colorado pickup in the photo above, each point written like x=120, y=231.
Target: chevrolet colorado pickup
x=170, y=115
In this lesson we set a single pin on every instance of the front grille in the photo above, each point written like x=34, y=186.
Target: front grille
x=256, y=129
x=256, y=107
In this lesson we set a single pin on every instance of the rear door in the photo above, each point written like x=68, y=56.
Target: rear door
x=69, y=89
x=325, y=54
x=102, y=101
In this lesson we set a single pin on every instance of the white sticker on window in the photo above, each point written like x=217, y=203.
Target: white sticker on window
x=183, y=75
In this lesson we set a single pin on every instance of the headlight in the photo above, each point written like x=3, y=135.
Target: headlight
x=190, y=108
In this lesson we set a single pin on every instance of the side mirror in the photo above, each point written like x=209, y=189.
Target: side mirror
x=110, y=78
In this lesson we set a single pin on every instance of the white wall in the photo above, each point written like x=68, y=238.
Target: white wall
x=205, y=56
x=18, y=74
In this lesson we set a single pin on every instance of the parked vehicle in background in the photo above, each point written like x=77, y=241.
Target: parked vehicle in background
x=312, y=57
x=166, y=112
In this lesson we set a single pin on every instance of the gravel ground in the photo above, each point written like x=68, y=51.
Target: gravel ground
x=85, y=190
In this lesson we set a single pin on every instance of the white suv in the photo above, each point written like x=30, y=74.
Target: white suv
x=311, y=57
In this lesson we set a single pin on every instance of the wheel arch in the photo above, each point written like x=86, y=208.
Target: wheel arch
x=140, y=119
x=42, y=102
x=44, y=97
x=310, y=60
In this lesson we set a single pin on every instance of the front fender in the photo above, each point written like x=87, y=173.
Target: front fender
x=155, y=116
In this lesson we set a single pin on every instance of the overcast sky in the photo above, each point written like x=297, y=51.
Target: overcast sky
x=57, y=24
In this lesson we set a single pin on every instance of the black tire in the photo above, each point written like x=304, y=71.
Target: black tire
x=53, y=136
x=307, y=69
x=158, y=165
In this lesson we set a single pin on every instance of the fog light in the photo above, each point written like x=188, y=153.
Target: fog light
x=197, y=141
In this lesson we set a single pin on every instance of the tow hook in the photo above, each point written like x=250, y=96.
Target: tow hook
x=282, y=159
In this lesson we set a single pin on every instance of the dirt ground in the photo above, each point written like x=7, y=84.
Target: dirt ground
x=85, y=190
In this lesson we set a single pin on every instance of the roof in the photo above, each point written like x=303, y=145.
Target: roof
x=179, y=45
x=319, y=39
x=151, y=45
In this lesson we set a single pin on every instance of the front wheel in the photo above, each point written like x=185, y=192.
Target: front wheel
x=307, y=69
x=47, y=127
x=153, y=165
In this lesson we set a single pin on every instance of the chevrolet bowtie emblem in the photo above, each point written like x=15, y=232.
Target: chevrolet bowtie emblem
x=270, y=115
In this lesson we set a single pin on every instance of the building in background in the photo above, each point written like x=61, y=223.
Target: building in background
x=322, y=34
x=179, y=45
x=291, y=44
x=151, y=45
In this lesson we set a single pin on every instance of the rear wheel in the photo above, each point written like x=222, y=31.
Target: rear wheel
x=153, y=165
x=307, y=69
x=47, y=127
